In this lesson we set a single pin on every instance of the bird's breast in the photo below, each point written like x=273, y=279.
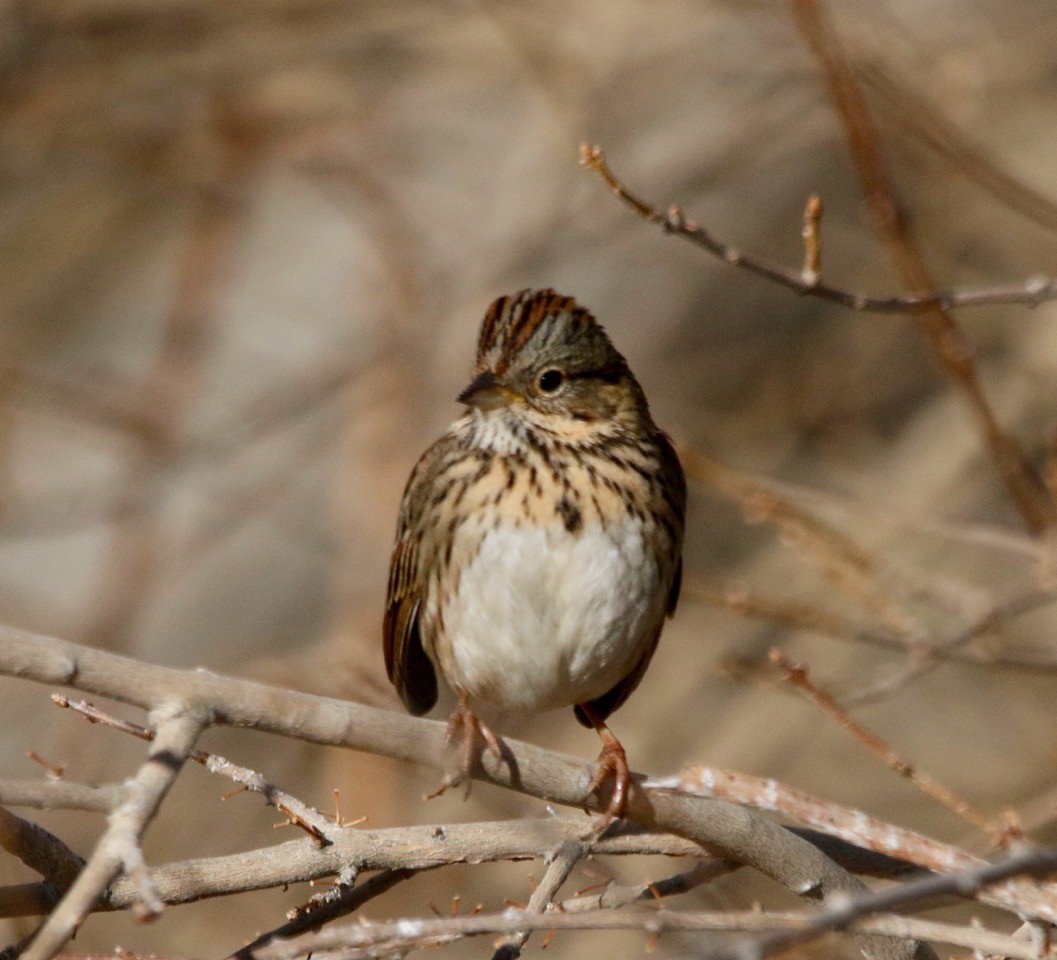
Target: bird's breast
x=547, y=615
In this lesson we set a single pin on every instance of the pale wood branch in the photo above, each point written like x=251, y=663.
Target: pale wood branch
x=564, y=858
x=119, y=850
x=730, y=831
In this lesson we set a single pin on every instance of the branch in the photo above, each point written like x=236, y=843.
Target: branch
x=616, y=895
x=39, y=850
x=857, y=827
x=732, y=832
x=118, y=849
x=839, y=916
x=414, y=933
x=950, y=346
x=337, y=902
x=58, y=795
x=398, y=848
x=787, y=929
x=797, y=675
x=300, y=814
x=1029, y=293
x=567, y=856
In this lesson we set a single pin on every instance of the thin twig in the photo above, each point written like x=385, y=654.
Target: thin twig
x=615, y=895
x=1029, y=293
x=298, y=813
x=338, y=902
x=562, y=861
x=812, y=234
x=949, y=344
x=796, y=674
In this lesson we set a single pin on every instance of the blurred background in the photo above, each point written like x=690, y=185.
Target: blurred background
x=244, y=250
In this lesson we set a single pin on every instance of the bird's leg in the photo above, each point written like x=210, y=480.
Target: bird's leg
x=465, y=724
x=612, y=762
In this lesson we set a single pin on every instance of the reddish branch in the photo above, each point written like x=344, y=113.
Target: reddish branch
x=951, y=347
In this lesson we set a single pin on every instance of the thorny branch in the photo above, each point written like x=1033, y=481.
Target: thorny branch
x=780, y=932
x=702, y=825
x=733, y=832
x=561, y=864
x=407, y=934
x=118, y=851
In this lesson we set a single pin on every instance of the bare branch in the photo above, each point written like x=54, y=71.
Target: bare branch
x=797, y=675
x=118, y=849
x=300, y=814
x=812, y=234
x=733, y=832
x=614, y=895
x=562, y=861
x=399, y=848
x=857, y=827
x=338, y=902
x=950, y=346
x=1029, y=293
x=39, y=850
x=413, y=933
x=58, y=795
x=840, y=915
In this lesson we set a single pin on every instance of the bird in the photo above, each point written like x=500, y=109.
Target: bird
x=538, y=549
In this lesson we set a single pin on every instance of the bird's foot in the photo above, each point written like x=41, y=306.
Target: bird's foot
x=612, y=764
x=467, y=730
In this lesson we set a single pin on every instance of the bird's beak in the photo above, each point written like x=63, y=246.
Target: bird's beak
x=487, y=393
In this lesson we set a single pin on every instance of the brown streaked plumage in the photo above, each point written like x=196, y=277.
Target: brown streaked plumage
x=538, y=550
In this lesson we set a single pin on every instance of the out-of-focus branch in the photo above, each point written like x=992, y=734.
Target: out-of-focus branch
x=39, y=850
x=797, y=675
x=58, y=795
x=951, y=347
x=1028, y=293
x=909, y=109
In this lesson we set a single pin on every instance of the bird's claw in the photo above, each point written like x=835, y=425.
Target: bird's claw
x=612, y=762
x=464, y=724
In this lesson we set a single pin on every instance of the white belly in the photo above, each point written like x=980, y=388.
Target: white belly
x=545, y=619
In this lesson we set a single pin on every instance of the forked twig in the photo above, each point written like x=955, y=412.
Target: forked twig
x=298, y=813
x=562, y=861
x=119, y=848
x=949, y=344
x=1029, y=293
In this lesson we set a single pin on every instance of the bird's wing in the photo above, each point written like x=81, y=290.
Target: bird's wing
x=406, y=660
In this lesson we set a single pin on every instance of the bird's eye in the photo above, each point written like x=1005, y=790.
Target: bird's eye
x=551, y=380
